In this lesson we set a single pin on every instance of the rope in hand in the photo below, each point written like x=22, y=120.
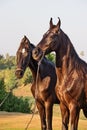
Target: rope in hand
x=36, y=91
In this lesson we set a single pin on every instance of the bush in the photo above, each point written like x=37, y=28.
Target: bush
x=10, y=79
x=51, y=57
x=2, y=90
x=13, y=103
x=27, y=78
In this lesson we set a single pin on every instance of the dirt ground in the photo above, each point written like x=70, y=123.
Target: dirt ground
x=10, y=121
x=18, y=121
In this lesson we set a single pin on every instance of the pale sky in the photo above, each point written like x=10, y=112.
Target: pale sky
x=31, y=18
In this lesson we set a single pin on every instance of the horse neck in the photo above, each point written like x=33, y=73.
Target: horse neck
x=66, y=56
x=33, y=65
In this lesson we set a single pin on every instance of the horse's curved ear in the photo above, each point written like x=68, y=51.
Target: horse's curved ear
x=59, y=23
x=51, y=23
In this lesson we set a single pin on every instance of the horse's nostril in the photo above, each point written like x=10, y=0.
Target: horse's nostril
x=19, y=73
x=36, y=52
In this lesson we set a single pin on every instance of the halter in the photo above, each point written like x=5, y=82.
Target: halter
x=19, y=69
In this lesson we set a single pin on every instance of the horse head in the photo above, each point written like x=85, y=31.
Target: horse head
x=23, y=56
x=49, y=41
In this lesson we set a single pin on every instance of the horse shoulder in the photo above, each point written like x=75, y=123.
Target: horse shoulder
x=45, y=82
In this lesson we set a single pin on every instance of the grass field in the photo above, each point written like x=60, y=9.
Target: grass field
x=18, y=121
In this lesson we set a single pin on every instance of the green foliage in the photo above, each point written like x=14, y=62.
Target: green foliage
x=7, y=62
x=10, y=79
x=51, y=57
x=13, y=103
x=2, y=89
x=2, y=64
x=1, y=57
x=27, y=78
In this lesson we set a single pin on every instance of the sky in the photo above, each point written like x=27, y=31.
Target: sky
x=31, y=18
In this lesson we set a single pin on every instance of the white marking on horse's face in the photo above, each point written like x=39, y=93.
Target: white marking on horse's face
x=23, y=50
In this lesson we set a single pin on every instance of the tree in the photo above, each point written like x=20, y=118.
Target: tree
x=10, y=79
x=13, y=103
x=27, y=78
x=7, y=62
x=2, y=89
x=1, y=57
x=51, y=57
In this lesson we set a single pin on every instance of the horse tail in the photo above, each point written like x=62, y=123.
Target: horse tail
x=85, y=111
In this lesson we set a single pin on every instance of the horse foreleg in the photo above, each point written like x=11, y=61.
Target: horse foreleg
x=41, y=110
x=74, y=117
x=65, y=116
x=49, y=112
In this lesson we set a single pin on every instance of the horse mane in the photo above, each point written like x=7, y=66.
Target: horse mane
x=76, y=62
x=33, y=64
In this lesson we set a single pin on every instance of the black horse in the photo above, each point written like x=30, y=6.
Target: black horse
x=71, y=71
x=46, y=96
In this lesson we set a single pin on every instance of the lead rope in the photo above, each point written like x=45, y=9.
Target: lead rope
x=36, y=92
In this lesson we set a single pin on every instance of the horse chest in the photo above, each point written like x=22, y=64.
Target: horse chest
x=68, y=89
x=44, y=87
x=38, y=93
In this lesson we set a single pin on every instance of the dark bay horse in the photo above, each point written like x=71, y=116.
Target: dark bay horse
x=71, y=86
x=46, y=96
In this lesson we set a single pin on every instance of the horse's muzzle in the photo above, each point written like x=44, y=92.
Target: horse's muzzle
x=19, y=73
x=37, y=53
